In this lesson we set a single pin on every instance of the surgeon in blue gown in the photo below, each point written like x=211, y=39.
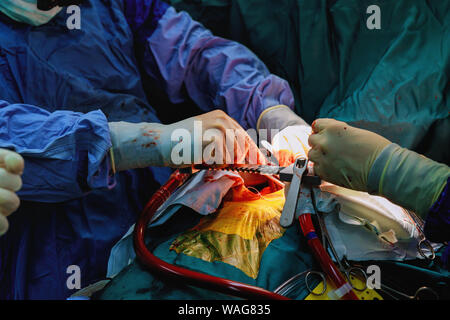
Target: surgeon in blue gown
x=68, y=95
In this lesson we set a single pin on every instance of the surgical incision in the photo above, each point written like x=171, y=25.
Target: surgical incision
x=238, y=232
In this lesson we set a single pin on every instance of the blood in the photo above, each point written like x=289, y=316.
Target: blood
x=209, y=179
x=148, y=145
x=150, y=133
x=285, y=157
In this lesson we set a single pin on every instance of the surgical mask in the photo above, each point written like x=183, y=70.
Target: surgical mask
x=26, y=11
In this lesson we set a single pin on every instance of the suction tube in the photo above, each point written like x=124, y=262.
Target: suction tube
x=344, y=289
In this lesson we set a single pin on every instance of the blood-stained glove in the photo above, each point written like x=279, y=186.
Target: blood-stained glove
x=342, y=154
x=11, y=168
x=288, y=133
x=362, y=160
x=212, y=138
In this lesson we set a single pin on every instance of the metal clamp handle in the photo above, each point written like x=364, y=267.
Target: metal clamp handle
x=288, y=213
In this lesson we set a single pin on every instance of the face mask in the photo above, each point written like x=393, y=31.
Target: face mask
x=26, y=11
x=50, y=4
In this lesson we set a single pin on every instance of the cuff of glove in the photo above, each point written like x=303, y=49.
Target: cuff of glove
x=277, y=118
x=407, y=178
x=112, y=161
x=378, y=166
x=139, y=145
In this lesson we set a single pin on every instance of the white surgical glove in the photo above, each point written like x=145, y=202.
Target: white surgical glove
x=288, y=133
x=291, y=143
x=11, y=168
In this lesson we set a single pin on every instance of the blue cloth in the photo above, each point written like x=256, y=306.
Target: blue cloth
x=59, y=88
x=66, y=152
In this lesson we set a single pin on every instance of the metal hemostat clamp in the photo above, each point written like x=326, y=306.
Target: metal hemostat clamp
x=299, y=170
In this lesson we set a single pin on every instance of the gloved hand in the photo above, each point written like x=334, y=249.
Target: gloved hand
x=362, y=160
x=288, y=133
x=203, y=139
x=11, y=168
x=291, y=143
x=342, y=154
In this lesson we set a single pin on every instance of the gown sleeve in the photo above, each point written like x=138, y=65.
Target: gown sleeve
x=66, y=153
x=187, y=60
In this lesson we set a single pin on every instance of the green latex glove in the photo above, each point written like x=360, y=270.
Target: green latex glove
x=362, y=160
x=342, y=154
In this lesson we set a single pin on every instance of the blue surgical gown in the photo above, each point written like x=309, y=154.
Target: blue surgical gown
x=58, y=90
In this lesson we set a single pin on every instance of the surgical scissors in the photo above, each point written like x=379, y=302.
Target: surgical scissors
x=289, y=285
